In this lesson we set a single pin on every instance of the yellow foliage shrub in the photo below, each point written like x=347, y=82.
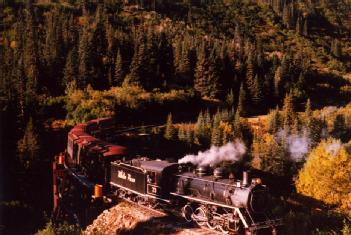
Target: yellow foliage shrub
x=326, y=175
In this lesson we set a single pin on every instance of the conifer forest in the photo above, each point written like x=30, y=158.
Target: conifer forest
x=274, y=74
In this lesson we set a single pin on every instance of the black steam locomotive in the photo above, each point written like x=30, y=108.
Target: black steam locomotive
x=209, y=197
x=205, y=197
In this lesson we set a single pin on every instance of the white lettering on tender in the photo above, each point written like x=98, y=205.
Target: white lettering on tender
x=121, y=174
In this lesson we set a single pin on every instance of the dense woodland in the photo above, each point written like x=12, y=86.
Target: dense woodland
x=273, y=73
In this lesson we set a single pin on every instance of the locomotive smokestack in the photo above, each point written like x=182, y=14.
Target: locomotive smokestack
x=245, y=178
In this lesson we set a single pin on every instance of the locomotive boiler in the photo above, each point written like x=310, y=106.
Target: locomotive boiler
x=217, y=189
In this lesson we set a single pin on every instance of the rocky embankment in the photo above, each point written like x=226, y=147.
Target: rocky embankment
x=126, y=218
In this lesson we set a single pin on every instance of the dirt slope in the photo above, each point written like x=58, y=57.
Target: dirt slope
x=125, y=218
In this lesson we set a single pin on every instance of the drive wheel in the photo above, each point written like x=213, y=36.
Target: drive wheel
x=210, y=223
x=187, y=212
x=200, y=217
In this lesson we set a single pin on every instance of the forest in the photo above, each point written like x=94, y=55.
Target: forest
x=275, y=74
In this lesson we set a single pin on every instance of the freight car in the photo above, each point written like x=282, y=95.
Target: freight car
x=91, y=155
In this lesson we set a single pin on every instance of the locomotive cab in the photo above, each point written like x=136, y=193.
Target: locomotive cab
x=159, y=181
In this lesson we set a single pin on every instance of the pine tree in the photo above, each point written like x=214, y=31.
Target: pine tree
x=269, y=156
x=257, y=96
x=71, y=71
x=181, y=134
x=298, y=27
x=119, y=73
x=289, y=114
x=170, y=130
x=84, y=59
x=250, y=76
x=136, y=67
x=28, y=146
x=274, y=122
x=242, y=102
x=237, y=130
x=213, y=76
x=308, y=113
x=286, y=15
x=306, y=28
x=189, y=135
x=230, y=99
x=165, y=59
x=30, y=58
x=216, y=137
x=207, y=119
x=335, y=48
x=201, y=83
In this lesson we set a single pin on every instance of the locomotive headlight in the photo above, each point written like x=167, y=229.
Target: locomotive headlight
x=256, y=181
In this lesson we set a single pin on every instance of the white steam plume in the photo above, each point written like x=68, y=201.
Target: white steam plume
x=333, y=148
x=298, y=146
x=214, y=155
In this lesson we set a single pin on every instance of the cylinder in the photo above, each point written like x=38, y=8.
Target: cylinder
x=61, y=159
x=245, y=178
x=98, y=191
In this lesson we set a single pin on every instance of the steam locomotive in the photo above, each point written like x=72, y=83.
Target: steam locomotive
x=204, y=196
x=209, y=197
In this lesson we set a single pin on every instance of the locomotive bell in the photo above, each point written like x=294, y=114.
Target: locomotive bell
x=202, y=171
x=219, y=173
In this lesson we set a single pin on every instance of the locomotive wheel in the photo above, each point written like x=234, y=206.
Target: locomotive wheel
x=199, y=216
x=210, y=223
x=187, y=212
x=121, y=193
x=141, y=201
x=224, y=229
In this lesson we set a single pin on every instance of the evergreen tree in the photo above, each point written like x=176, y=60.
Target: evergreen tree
x=28, y=146
x=274, y=121
x=165, y=59
x=308, y=112
x=335, y=48
x=119, y=73
x=207, y=119
x=306, y=28
x=201, y=82
x=136, y=67
x=298, y=27
x=170, y=130
x=242, y=102
x=269, y=156
x=84, y=59
x=213, y=73
x=216, y=137
x=181, y=134
x=230, y=99
x=71, y=71
x=30, y=59
x=237, y=129
x=189, y=135
x=289, y=114
x=257, y=96
x=250, y=76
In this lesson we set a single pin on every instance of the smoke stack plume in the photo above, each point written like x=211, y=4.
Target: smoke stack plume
x=298, y=146
x=229, y=152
